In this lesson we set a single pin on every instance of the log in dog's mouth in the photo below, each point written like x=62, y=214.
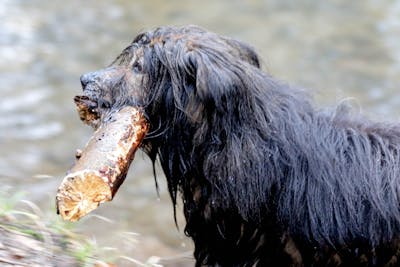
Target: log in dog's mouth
x=101, y=167
x=88, y=110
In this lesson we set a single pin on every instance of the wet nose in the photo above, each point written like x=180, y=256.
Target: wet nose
x=87, y=78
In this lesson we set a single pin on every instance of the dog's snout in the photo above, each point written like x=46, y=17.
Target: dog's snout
x=87, y=78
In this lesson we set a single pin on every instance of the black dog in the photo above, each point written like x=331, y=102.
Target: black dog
x=266, y=179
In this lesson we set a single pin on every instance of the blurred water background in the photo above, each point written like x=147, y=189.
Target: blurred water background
x=337, y=49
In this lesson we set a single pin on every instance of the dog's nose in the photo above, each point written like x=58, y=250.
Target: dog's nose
x=87, y=78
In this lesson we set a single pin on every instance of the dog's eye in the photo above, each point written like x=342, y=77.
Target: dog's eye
x=137, y=67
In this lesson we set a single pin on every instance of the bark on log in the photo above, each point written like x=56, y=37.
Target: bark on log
x=103, y=164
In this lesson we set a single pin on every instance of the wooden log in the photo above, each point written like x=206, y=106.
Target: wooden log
x=102, y=165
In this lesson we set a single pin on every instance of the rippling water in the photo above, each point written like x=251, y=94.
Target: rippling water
x=339, y=49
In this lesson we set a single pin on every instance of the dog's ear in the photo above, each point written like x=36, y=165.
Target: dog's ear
x=221, y=80
x=212, y=76
x=243, y=51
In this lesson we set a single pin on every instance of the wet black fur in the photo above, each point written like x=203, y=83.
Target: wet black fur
x=266, y=178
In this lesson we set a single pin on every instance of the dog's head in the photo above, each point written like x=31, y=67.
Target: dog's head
x=200, y=93
x=173, y=71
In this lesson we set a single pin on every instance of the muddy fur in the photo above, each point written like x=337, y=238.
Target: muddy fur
x=266, y=178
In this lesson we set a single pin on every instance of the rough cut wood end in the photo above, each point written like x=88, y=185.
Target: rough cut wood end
x=80, y=193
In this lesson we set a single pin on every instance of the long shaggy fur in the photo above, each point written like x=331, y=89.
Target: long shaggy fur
x=266, y=178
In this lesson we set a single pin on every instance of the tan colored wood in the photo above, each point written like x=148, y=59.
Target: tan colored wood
x=102, y=165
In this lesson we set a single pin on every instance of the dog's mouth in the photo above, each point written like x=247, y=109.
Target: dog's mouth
x=91, y=109
x=101, y=167
x=88, y=110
